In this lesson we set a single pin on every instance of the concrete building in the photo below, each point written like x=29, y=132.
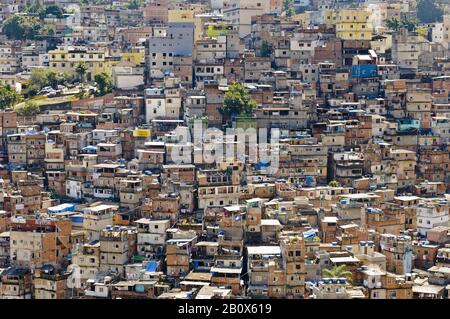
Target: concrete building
x=353, y=25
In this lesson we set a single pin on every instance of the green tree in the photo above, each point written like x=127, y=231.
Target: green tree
x=266, y=49
x=17, y=27
x=47, y=30
x=38, y=80
x=66, y=78
x=53, y=10
x=288, y=7
x=41, y=77
x=56, y=78
x=81, y=69
x=134, y=4
x=422, y=31
x=428, y=11
x=237, y=101
x=34, y=7
x=104, y=83
x=333, y=183
x=28, y=108
x=83, y=92
x=409, y=23
x=52, y=79
x=392, y=23
x=8, y=97
x=337, y=272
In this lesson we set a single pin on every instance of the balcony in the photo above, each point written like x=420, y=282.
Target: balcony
x=259, y=266
x=131, y=189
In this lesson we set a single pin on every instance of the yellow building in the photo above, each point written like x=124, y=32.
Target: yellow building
x=381, y=43
x=66, y=60
x=181, y=15
x=304, y=18
x=135, y=57
x=353, y=25
x=330, y=17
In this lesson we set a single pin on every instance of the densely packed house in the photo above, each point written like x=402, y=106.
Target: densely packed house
x=119, y=177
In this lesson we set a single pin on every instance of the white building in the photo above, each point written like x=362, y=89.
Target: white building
x=440, y=32
x=430, y=215
x=151, y=236
x=74, y=189
x=97, y=218
x=127, y=77
x=441, y=127
x=240, y=13
x=100, y=135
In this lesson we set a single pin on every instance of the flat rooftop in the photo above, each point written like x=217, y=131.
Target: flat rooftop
x=263, y=250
